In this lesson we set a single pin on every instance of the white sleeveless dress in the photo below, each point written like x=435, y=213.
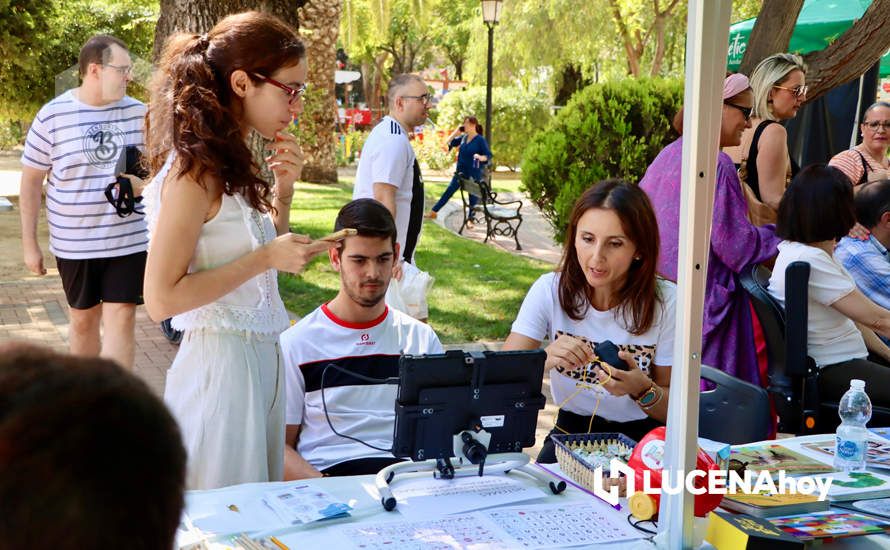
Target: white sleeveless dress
x=226, y=384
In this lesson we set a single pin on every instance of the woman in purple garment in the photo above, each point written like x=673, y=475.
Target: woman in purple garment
x=728, y=336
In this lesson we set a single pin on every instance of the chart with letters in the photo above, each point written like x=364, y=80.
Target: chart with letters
x=526, y=527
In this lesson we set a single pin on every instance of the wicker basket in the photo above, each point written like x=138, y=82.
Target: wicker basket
x=573, y=466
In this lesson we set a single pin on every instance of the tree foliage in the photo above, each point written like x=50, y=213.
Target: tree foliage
x=611, y=130
x=398, y=36
x=40, y=40
x=849, y=56
x=516, y=115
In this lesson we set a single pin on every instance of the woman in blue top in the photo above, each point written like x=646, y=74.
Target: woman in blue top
x=472, y=154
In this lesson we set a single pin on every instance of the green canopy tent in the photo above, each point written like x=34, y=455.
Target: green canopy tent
x=830, y=124
x=819, y=24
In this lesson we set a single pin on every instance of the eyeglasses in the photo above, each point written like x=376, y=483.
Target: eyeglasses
x=746, y=111
x=425, y=98
x=874, y=125
x=799, y=91
x=294, y=93
x=123, y=70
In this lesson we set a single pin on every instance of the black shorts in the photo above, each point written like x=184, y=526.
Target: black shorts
x=96, y=280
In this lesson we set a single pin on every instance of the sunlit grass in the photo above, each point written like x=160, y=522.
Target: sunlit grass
x=478, y=288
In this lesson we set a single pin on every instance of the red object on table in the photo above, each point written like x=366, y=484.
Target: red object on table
x=648, y=455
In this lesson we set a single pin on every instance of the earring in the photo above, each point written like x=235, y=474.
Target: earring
x=637, y=258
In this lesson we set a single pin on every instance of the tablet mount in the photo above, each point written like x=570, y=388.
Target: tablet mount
x=471, y=449
x=459, y=412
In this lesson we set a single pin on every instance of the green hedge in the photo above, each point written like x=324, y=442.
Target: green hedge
x=516, y=115
x=611, y=130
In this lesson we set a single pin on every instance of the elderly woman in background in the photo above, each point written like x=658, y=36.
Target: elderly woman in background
x=868, y=160
x=766, y=166
x=728, y=339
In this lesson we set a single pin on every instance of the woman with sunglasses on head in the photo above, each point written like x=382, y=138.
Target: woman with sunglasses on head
x=604, y=289
x=219, y=234
x=765, y=165
x=728, y=332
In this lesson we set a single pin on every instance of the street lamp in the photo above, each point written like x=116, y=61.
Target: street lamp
x=491, y=13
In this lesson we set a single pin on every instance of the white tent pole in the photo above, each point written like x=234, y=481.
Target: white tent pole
x=853, y=135
x=707, y=34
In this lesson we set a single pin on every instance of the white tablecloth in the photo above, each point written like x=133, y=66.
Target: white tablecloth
x=367, y=510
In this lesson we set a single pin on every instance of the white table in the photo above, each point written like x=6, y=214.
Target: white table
x=368, y=510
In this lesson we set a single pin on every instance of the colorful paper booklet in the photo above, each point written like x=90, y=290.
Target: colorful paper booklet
x=878, y=451
x=831, y=524
x=773, y=505
x=847, y=486
x=303, y=504
x=775, y=458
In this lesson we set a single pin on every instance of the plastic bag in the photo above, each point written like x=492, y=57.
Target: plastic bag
x=409, y=294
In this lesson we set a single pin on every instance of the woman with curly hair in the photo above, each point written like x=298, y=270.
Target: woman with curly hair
x=219, y=234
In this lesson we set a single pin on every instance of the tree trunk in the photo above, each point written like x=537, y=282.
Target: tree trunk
x=199, y=16
x=658, y=30
x=195, y=16
x=321, y=18
x=771, y=33
x=848, y=57
x=860, y=47
x=633, y=58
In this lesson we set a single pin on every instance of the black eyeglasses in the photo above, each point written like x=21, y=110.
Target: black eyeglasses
x=294, y=93
x=424, y=98
x=746, y=111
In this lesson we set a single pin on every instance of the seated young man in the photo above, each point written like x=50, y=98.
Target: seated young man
x=868, y=261
x=359, y=333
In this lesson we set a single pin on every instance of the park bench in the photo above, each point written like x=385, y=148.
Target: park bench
x=501, y=217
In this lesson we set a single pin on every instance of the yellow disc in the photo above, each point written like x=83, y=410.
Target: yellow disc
x=642, y=506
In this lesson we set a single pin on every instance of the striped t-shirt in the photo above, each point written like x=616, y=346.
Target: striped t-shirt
x=79, y=146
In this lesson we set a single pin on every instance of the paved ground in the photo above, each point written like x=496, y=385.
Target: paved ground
x=34, y=308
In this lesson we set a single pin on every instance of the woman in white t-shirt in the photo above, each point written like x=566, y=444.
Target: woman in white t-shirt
x=816, y=211
x=605, y=288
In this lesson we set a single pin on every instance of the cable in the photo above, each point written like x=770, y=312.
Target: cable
x=391, y=380
x=581, y=386
x=636, y=525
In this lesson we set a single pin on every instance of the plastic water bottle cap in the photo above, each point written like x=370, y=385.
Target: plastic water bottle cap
x=858, y=384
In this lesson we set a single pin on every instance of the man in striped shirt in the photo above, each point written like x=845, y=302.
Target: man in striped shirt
x=74, y=144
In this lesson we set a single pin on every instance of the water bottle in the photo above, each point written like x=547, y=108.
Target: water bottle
x=851, y=441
